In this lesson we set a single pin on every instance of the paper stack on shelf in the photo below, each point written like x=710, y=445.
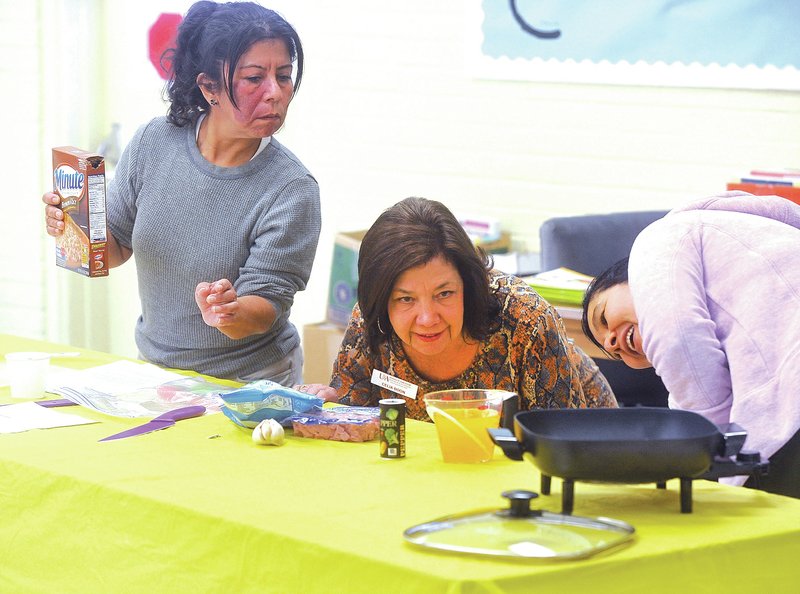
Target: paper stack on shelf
x=764, y=182
x=560, y=286
x=480, y=229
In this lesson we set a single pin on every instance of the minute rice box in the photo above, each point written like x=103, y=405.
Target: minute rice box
x=79, y=178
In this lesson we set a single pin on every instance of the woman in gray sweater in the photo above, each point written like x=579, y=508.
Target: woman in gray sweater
x=223, y=219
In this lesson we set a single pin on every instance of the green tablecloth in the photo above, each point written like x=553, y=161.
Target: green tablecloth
x=180, y=511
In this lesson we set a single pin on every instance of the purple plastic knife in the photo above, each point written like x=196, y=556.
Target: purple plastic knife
x=56, y=402
x=168, y=419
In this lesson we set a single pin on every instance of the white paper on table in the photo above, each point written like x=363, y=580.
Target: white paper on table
x=15, y=418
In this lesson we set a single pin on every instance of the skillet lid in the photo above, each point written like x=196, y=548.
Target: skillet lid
x=521, y=533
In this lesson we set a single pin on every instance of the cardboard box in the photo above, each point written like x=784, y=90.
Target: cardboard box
x=79, y=178
x=320, y=346
x=343, y=286
x=518, y=263
x=501, y=245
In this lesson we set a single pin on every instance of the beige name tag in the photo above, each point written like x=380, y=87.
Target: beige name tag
x=395, y=384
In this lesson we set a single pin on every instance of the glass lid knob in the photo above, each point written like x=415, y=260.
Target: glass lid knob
x=520, y=503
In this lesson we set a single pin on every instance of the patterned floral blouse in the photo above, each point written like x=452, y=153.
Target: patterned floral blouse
x=527, y=352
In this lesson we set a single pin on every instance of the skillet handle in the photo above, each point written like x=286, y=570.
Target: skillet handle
x=507, y=442
x=733, y=436
x=510, y=408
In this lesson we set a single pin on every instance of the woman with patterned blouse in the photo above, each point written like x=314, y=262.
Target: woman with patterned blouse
x=433, y=313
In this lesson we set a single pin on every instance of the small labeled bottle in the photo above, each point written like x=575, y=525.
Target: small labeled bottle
x=393, y=428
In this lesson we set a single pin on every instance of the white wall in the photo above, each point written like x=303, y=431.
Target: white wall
x=389, y=108
x=21, y=247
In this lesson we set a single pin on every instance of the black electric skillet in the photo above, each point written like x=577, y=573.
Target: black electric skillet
x=627, y=445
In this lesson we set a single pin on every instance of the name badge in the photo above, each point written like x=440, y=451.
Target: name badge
x=395, y=384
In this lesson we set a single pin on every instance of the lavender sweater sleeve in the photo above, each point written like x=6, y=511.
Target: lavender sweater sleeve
x=717, y=293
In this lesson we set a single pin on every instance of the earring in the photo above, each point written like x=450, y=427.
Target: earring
x=379, y=327
x=213, y=102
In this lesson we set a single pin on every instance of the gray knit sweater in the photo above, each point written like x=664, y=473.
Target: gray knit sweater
x=189, y=221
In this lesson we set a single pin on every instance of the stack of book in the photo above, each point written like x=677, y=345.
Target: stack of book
x=561, y=286
x=776, y=182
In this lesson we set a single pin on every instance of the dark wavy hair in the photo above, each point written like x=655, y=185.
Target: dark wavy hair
x=214, y=35
x=411, y=233
x=615, y=275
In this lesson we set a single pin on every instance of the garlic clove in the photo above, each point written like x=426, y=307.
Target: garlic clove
x=277, y=435
x=269, y=432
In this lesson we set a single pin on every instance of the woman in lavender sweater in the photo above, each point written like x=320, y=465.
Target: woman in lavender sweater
x=710, y=298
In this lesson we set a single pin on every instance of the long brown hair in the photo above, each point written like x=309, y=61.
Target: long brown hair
x=411, y=233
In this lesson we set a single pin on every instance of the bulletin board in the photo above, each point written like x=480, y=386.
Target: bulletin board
x=701, y=43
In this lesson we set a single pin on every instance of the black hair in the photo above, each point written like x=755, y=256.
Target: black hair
x=412, y=233
x=615, y=275
x=215, y=35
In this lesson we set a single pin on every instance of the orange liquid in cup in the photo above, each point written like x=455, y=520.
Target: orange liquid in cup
x=462, y=433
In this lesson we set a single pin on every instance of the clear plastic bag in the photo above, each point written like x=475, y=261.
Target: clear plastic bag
x=264, y=399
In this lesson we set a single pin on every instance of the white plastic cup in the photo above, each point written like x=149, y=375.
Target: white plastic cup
x=27, y=373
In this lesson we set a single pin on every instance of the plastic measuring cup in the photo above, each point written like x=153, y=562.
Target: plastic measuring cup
x=27, y=373
x=462, y=418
